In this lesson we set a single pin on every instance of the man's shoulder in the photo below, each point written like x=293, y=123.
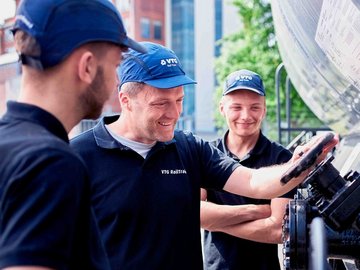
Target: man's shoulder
x=216, y=142
x=187, y=137
x=82, y=137
x=98, y=136
x=55, y=152
x=274, y=149
x=36, y=144
x=188, y=143
x=275, y=146
x=52, y=158
x=184, y=136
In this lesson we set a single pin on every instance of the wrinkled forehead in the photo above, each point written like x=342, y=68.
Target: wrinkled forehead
x=152, y=93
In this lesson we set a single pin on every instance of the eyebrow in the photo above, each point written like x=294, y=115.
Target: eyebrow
x=236, y=103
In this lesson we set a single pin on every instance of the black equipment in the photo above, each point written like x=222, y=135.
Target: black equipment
x=323, y=222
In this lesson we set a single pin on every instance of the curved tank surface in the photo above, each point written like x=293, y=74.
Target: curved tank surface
x=319, y=43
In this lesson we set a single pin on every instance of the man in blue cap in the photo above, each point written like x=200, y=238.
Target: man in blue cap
x=146, y=177
x=69, y=50
x=242, y=232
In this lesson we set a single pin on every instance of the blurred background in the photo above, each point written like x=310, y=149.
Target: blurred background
x=307, y=51
x=212, y=38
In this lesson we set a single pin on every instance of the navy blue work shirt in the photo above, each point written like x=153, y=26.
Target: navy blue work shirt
x=45, y=213
x=223, y=251
x=149, y=209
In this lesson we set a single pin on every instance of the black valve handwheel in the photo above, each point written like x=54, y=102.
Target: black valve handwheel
x=307, y=160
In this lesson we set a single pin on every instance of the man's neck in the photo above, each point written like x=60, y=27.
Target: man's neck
x=123, y=127
x=53, y=97
x=241, y=145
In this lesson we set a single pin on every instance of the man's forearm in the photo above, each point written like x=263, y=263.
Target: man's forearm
x=262, y=230
x=213, y=217
x=265, y=230
x=264, y=183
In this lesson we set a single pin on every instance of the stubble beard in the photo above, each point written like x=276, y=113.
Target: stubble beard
x=94, y=98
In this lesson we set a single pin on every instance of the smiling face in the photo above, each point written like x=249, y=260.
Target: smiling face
x=244, y=111
x=152, y=113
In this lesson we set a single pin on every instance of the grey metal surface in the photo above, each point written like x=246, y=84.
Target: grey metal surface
x=327, y=82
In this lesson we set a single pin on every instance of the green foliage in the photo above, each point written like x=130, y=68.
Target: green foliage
x=254, y=47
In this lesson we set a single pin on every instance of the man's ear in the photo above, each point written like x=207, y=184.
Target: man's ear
x=124, y=101
x=87, y=67
x=221, y=108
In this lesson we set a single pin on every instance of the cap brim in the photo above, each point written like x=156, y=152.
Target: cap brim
x=132, y=44
x=244, y=88
x=170, y=82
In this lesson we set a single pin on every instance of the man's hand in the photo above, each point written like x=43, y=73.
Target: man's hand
x=329, y=144
x=308, y=155
x=265, y=182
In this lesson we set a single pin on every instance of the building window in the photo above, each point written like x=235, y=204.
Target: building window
x=145, y=28
x=157, y=30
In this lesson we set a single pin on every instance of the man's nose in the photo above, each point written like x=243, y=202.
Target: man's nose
x=245, y=113
x=174, y=110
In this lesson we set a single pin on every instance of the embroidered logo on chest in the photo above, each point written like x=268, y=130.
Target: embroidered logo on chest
x=176, y=171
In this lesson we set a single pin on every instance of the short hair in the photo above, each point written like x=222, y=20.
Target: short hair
x=99, y=50
x=132, y=88
x=26, y=44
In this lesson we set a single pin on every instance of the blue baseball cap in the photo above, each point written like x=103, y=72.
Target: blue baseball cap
x=159, y=67
x=244, y=80
x=61, y=26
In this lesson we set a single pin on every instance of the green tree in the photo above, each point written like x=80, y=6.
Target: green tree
x=254, y=47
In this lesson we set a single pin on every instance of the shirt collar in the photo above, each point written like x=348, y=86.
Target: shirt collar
x=257, y=150
x=104, y=139
x=32, y=113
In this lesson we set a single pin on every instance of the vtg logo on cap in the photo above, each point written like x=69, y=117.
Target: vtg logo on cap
x=159, y=68
x=243, y=78
x=170, y=62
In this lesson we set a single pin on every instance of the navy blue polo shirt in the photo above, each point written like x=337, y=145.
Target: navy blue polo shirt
x=223, y=251
x=45, y=214
x=149, y=209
